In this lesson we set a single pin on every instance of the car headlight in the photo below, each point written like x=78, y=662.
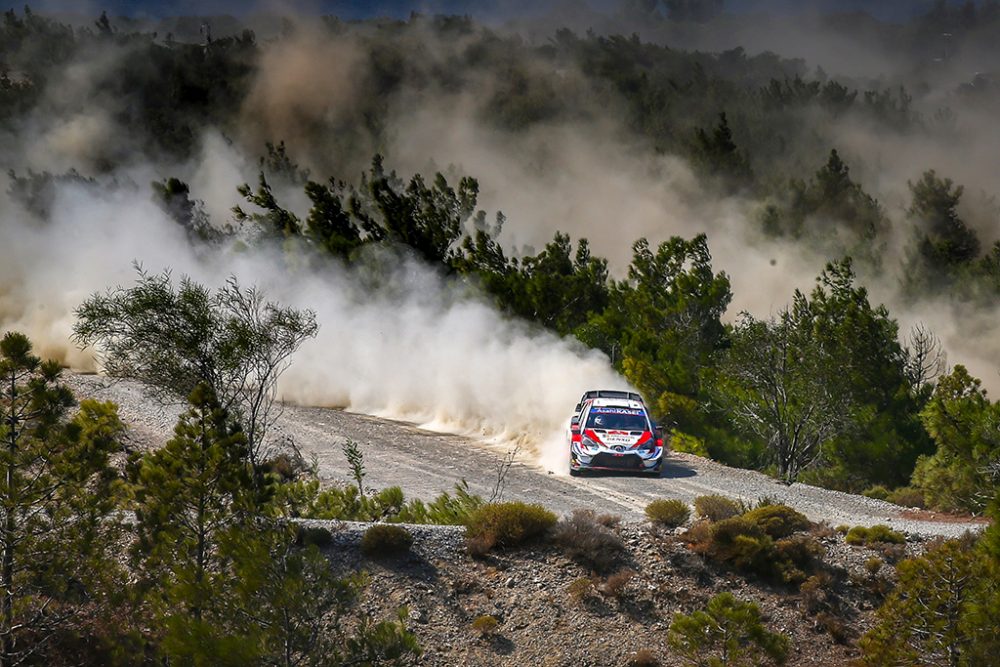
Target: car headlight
x=589, y=443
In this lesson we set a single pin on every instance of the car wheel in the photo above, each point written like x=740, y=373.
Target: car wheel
x=573, y=472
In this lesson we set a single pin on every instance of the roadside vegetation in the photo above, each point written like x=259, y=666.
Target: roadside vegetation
x=189, y=554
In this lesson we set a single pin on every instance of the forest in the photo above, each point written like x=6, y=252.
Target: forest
x=336, y=122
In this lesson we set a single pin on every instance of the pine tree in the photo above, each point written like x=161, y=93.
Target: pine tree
x=56, y=493
x=189, y=496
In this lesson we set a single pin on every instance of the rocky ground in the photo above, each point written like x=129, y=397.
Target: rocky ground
x=528, y=591
x=540, y=622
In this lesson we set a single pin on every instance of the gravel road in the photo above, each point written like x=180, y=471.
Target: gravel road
x=425, y=463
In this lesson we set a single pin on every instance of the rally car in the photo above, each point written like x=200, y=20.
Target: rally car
x=612, y=430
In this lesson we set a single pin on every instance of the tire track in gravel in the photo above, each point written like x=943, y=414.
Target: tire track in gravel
x=425, y=463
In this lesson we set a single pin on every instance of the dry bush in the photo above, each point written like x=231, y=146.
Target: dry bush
x=506, y=525
x=485, y=626
x=778, y=520
x=843, y=529
x=835, y=627
x=873, y=565
x=608, y=520
x=699, y=536
x=891, y=553
x=385, y=540
x=616, y=585
x=814, y=592
x=581, y=589
x=668, y=513
x=716, y=507
x=907, y=496
x=643, y=658
x=822, y=530
x=589, y=543
x=480, y=545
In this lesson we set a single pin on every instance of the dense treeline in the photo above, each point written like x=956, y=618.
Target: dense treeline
x=853, y=388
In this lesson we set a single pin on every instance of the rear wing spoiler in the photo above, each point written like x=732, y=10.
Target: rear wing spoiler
x=608, y=393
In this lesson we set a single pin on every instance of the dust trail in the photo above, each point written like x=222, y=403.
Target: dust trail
x=421, y=348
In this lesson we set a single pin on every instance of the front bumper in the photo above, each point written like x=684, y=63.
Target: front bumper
x=603, y=458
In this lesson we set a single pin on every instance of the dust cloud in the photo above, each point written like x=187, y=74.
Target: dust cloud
x=425, y=348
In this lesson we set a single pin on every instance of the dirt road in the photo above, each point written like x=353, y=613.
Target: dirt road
x=424, y=464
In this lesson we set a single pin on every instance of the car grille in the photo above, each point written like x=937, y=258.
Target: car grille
x=626, y=462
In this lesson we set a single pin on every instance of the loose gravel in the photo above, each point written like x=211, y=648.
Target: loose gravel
x=425, y=464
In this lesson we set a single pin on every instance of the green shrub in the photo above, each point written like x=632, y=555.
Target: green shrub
x=727, y=632
x=689, y=444
x=485, y=625
x=741, y=542
x=716, y=507
x=878, y=492
x=907, y=496
x=445, y=510
x=385, y=540
x=669, y=513
x=587, y=542
x=778, y=520
x=795, y=558
x=346, y=503
x=877, y=534
x=508, y=524
x=843, y=529
x=745, y=546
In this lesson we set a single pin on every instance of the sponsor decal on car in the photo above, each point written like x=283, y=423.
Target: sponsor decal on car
x=618, y=411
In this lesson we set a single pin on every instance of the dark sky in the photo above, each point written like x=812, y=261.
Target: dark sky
x=483, y=9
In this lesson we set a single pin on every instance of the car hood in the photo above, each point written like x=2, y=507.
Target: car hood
x=627, y=439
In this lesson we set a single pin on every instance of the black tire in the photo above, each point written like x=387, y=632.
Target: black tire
x=574, y=472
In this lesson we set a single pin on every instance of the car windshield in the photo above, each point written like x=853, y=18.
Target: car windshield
x=617, y=419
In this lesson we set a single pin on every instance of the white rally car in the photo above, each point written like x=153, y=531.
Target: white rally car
x=612, y=430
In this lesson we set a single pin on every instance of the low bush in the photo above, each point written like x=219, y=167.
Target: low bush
x=508, y=524
x=907, y=496
x=739, y=541
x=727, y=632
x=716, y=508
x=589, y=543
x=877, y=534
x=873, y=565
x=795, y=558
x=838, y=630
x=616, y=585
x=744, y=545
x=668, y=513
x=878, y=492
x=306, y=535
x=608, y=520
x=778, y=520
x=347, y=503
x=843, y=529
x=385, y=540
x=485, y=626
x=581, y=589
x=643, y=658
